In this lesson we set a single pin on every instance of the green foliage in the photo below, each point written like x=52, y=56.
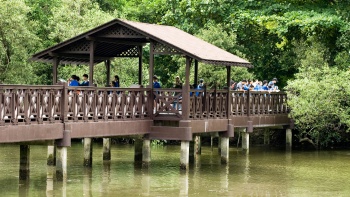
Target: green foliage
x=158, y=142
x=17, y=43
x=71, y=18
x=318, y=97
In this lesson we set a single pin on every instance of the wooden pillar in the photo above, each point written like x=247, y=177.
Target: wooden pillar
x=138, y=144
x=197, y=145
x=219, y=145
x=196, y=72
x=151, y=64
x=184, y=157
x=288, y=139
x=192, y=152
x=140, y=64
x=61, y=163
x=185, y=91
x=229, y=95
x=146, y=153
x=106, y=149
x=108, y=72
x=225, y=149
x=51, y=155
x=266, y=136
x=245, y=139
x=56, y=61
x=24, y=155
x=88, y=152
x=92, y=62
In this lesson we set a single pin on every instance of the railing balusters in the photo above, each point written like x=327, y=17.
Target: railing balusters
x=50, y=104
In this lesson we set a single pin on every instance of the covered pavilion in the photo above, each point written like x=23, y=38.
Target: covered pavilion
x=123, y=38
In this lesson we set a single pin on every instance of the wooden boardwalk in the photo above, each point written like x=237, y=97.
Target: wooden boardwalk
x=43, y=113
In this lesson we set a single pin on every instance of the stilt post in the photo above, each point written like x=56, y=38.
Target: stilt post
x=106, y=149
x=88, y=152
x=24, y=156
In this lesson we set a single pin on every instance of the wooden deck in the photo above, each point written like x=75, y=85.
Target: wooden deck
x=40, y=113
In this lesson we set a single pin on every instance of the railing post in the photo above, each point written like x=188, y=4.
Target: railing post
x=185, y=91
x=26, y=101
x=64, y=102
x=214, y=100
x=248, y=103
x=2, y=99
x=13, y=107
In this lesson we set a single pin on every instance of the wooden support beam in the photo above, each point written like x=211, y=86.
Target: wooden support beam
x=116, y=41
x=91, y=65
x=196, y=72
x=140, y=64
x=56, y=61
x=24, y=155
x=79, y=55
x=151, y=64
x=185, y=91
x=108, y=72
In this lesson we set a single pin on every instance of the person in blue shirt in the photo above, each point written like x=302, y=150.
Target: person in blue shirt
x=116, y=83
x=73, y=81
x=86, y=81
x=264, y=86
x=258, y=86
x=156, y=84
x=272, y=84
x=240, y=85
x=200, y=86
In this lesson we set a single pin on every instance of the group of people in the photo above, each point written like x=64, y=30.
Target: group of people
x=255, y=85
x=74, y=80
x=243, y=85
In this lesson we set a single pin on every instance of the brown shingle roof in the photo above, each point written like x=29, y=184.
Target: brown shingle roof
x=169, y=36
x=187, y=43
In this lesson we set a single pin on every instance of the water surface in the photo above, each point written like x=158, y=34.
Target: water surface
x=261, y=172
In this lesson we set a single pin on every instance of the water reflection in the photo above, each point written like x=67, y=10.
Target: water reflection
x=247, y=166
x=145, y=182
x=183, y=183
x=257, y=173
x=87, y=178
x=106, y=177
x=49, y=180
x=224, y=177
x=23, y=188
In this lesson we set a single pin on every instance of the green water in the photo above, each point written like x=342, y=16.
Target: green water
x=262, y=172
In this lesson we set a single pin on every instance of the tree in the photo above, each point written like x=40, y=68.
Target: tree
x=17, y=42
x=319, y=97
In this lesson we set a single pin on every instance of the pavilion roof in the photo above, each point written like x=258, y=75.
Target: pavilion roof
x=122, y=38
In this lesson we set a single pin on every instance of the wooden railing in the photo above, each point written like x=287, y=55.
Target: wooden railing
x=21, y=104
x=167, y=104
x=49, y=104
x=213, y=103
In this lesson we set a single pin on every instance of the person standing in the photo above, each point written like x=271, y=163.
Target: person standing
x=85, y=80
x=241, y=85
x=73, y=81
x=177, y=85
x=200, y=86
x=156, y=84
x=116, y=83
x=272, y=85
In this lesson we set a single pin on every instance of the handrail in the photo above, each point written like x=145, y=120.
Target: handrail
x=33, y=104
